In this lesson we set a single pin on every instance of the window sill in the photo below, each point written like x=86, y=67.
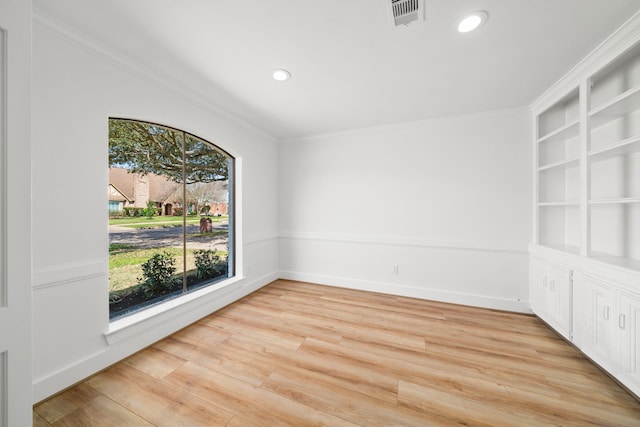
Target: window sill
x=136, y=323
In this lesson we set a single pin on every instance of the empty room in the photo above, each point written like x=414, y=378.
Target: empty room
x=340, y=213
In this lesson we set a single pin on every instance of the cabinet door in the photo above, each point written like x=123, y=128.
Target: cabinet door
x=550, y=293
x=559, y=307
x=598, y=338
x=628, y=323
x=537, y=286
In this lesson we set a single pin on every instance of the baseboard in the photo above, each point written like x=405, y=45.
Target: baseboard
x=432, y=294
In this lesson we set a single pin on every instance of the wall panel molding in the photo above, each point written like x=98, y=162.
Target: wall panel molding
x=58, y=275
x=260, y=238
x=4, y=394
x=452, y=244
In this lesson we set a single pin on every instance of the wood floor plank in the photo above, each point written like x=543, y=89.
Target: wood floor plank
x=102, y=412
x=361, y=409
x=155, y=362
x=62, y=404
x=154, y=400
x=463, y=409
x=585, y=411
x=445, y=377
x=38, y=421
x=299, y=354
x=246, y=400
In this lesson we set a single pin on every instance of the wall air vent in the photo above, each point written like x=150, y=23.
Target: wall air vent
x=404, y=12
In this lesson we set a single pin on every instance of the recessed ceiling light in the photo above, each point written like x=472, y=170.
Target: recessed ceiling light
x=473, y=21
x=281, y=75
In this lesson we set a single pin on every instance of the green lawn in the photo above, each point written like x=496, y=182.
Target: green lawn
x=125, y=264
x=161, y=221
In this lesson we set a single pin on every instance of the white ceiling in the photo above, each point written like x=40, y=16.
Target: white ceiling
x=350, y=68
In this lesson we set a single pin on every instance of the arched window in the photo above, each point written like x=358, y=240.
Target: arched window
x=170, y=214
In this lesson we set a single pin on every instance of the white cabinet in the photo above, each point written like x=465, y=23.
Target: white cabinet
x=551, y=290
x=629, y=324
x=595, y=314
x=608, y=327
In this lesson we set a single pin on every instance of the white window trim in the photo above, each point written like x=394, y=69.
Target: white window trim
x=127, y=326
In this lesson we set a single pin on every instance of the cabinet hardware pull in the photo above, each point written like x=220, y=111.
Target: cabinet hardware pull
x=605, y=313
x=544, y=282
x=621, y=321
x=553, y=285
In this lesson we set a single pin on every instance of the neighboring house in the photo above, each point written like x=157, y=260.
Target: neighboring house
x=136, y=190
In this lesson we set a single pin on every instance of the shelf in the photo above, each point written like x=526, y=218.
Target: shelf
x=619, y=106
x=562, y=163
x=563, y=248
x=627, y=146
x=615, y=201
x=629, y=263
x=560, y=203
x=567, y=131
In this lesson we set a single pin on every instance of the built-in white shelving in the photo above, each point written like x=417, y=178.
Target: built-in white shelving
x=567, y=131
x=613, y=166
x=622, y=200
x=558, y=173
x=572, y=162
x=562, y=203
x=625, y=147
x=615, y=108
x=588, y=165
x=587, y=211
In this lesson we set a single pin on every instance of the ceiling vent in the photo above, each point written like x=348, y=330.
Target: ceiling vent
x=404, y=12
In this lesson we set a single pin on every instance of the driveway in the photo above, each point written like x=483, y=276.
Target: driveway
x=166, y=237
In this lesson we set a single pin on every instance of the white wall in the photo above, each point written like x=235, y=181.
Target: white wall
x=75, y=90
x=447, y=201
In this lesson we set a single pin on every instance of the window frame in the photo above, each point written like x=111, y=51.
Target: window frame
x=136, y=315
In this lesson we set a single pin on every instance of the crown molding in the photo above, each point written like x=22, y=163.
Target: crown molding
x=89, y=44
x=433, y=121
x=622, y=39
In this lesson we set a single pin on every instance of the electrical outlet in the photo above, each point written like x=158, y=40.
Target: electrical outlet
x=395, y=269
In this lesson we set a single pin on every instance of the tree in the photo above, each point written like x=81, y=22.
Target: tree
x=202, y=194
x=148, y=148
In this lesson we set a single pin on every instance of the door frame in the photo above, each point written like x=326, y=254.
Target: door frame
x=16, y=388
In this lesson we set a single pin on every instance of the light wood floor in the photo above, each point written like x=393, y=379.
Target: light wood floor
x=300, y=354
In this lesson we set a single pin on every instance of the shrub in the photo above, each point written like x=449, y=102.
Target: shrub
x=150, y=211
x=208, y=264
x=177, y=211
x=131, y=211
x=158, y=273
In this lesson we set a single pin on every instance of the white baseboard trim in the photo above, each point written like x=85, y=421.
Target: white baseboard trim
x=183, y=316
x=432, y=294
